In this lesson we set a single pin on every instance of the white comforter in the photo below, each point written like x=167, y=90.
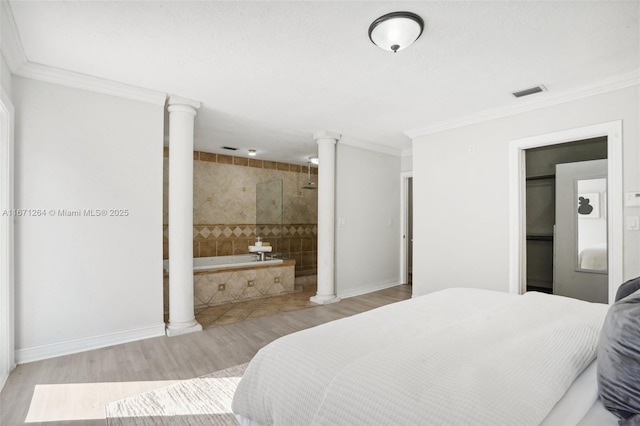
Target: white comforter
x=458, y=356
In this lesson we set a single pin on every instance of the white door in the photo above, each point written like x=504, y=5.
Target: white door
x=580, y=240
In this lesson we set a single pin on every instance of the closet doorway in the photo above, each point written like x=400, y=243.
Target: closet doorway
x=552, y=237
x=518, y=148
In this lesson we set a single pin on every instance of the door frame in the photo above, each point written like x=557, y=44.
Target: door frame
x=7, y=305
x=517, y=199
x=404, y=214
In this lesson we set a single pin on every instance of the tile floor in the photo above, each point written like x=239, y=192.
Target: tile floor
x=236, y=312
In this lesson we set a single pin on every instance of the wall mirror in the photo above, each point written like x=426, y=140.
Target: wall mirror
x=591, y=232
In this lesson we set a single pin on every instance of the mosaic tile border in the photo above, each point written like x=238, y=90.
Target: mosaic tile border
x=216, y=232
x=292, y=241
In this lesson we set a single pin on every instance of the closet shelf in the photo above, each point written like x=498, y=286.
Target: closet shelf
x=540, y=237
x=540, y=177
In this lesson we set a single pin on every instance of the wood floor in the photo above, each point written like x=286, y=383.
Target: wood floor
x=168, y=358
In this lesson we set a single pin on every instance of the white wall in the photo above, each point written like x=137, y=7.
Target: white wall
x=368, y=201
x=86, y=282
x=461, y=201
x=406, y=163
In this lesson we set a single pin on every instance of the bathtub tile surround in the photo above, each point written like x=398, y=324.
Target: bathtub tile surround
x=293, y=241
x=225, y=209
x=231, y=284
x=236, y=312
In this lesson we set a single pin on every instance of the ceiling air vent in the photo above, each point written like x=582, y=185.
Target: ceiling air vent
x=230, y=148
x=529, y=91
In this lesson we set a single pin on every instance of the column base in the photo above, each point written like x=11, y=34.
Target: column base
x=324, y=300
x=179, y=329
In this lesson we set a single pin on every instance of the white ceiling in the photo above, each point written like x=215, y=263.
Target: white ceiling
x=269, y=74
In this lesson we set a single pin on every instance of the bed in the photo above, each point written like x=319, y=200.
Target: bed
x=594, y=258
x=457, y=356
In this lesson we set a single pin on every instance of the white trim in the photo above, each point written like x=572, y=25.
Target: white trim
x=174, y=100
x=543, y=100
x=517, y=231
x=517, y=249
x=367, y=289
x=19, y=64
x=404, y=212
x=88, y=343
x=325, y=134
x=7, y=287
x=346, y=140
x=90, y=83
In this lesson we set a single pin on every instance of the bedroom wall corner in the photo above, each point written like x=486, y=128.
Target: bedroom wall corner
x=368, y=221
x=88, y=270
x=462, y=194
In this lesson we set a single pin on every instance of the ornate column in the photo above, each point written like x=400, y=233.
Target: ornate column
x=182, y=319
x=326, y=217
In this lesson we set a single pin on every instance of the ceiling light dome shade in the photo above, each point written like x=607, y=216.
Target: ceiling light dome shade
x=396, y=31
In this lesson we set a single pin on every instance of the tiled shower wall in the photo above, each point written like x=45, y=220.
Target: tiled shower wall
x=224, y=213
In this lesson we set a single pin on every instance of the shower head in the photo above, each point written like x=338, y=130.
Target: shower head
x=310, y=184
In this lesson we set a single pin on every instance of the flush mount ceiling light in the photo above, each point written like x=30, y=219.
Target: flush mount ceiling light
x=314, y=160
x=396, y=30
x=252, y=152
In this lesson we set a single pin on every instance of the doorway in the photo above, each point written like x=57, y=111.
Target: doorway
x=517, y=200
x=546, y=253
x=406, y=215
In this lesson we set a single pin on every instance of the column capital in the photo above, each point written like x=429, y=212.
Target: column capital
x=177, y=101
x=326, y=135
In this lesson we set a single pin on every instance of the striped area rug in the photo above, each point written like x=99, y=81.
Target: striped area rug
x=204, y=400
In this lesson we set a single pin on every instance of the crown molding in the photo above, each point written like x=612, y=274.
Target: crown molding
x=90, y=83
x=179, y=100
x=357, y=143
x=19, y=64
x=549, y=99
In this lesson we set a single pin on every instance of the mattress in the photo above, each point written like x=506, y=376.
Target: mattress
x=460, y=356
x=580, y=404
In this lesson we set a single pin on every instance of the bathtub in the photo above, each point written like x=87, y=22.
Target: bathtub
x=230, y=279
x=224, y=262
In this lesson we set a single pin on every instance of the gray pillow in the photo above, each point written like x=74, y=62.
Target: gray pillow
x=628, y=288
x=619, y=359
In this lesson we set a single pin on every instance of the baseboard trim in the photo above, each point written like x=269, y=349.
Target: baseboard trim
x=3, y=380
x=368, y=289
x=38, y=353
